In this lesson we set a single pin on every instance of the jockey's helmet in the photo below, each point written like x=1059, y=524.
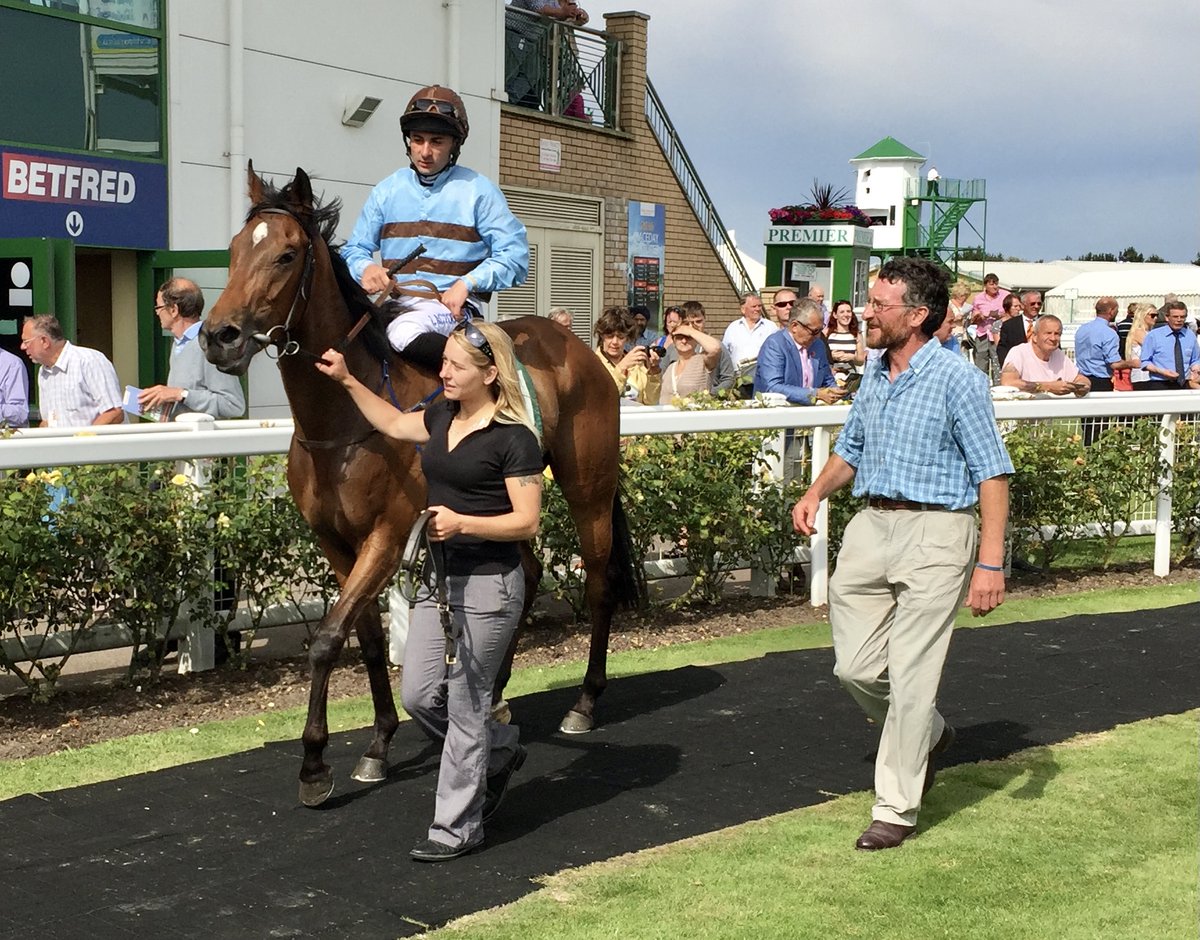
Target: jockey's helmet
x=436, y=109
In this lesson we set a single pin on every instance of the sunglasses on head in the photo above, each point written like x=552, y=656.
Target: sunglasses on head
x=434, y=104
x=476, y=338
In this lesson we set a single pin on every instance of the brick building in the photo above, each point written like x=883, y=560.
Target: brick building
x=577, y=215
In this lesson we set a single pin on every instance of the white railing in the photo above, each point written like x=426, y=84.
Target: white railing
x=195, y=437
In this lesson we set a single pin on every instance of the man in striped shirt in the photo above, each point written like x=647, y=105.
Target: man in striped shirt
x=473, y=244
x=921, y=444
x=77, y=386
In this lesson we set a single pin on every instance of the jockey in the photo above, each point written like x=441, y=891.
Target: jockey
x=473, y=244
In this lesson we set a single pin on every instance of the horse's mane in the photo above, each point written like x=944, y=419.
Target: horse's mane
x=321, y=221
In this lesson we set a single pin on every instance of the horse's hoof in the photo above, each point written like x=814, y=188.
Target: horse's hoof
x=370, y=770
x=316, y=792
x=576, y=723
x=501, y=713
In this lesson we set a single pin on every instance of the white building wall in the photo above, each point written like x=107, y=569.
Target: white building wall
x=882, y=193
x=301, y=60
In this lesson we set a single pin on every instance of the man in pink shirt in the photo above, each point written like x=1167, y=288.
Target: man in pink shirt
x=1040, y=366
x=987, y=308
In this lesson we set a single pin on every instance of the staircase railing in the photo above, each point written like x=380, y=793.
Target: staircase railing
x=693, y=188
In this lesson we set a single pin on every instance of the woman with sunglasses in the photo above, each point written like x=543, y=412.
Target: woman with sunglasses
x=1145, y=316
x=483, y=466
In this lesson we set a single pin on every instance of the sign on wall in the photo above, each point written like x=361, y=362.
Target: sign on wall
x=647, y=245
x=94, y=200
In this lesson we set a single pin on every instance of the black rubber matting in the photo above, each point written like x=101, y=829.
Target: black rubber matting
x=222, y=849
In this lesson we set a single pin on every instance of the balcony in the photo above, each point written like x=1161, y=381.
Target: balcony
x=945, y=189
x=560, y=70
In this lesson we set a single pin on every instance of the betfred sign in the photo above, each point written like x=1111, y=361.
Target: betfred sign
x=55, y=181
x=95, y=200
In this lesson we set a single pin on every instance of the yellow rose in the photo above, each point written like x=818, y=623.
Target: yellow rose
x=179, y=480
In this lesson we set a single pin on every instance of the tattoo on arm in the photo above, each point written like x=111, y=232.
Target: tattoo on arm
x=534, y=479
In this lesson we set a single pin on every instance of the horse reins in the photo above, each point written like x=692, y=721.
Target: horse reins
x=285, y=345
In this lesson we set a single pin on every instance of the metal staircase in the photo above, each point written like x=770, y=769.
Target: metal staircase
x=949, y=200
x=697, y=196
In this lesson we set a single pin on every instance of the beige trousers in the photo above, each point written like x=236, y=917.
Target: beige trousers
x=901, y=577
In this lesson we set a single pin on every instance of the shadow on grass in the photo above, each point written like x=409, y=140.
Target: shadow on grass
x=991, y=741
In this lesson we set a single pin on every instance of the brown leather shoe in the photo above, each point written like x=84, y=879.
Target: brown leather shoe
x=944, y=743
x=883, y=835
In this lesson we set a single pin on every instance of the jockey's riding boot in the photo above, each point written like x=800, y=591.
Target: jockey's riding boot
x=425, y=352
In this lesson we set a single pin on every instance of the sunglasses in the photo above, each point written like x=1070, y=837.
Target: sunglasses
x=476, y=338
x=785, y=303
x=434, y=104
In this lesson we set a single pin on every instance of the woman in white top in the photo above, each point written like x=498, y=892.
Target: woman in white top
x=846, y=351
x=1144, y=318
x=696, y=355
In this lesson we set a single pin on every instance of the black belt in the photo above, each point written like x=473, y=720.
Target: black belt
x=882, y=502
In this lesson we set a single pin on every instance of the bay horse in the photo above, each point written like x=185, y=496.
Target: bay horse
x=290, y=290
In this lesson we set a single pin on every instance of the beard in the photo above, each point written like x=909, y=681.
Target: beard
x=886, y=335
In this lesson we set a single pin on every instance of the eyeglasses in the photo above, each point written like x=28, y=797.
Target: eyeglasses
x=476, y=338
x=801, y=323
x=434, y=104
x=1035, y=303
x=158, y=307
x=785, y=303
x=877, y=307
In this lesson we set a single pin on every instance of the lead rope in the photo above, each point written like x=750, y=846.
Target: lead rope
x=420, y=555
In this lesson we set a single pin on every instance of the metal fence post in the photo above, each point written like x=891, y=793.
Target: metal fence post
x=197, y=648
x=771, y=459
x=1162, y=507
x=818, y=582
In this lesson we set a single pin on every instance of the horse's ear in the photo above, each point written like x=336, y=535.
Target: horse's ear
x=301, y=189
x=254, y=184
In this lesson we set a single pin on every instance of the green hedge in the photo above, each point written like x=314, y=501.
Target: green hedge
x=134, y=544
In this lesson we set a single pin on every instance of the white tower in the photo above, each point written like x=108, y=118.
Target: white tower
x=884, y=172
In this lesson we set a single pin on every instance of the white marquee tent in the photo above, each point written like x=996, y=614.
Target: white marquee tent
x=1074, y=300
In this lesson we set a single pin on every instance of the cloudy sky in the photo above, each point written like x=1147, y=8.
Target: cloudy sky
x=1084, y=118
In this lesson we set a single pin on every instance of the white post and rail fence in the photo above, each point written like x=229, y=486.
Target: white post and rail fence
x=194, y=438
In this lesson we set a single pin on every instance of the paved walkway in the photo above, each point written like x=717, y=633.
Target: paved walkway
x=221, y=848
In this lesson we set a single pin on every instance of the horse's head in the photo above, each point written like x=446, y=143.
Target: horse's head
x=270, y=265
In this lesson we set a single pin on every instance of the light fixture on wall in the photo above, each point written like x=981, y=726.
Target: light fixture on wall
x=359, y=109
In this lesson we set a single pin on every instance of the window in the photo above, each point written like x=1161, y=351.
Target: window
x=79, y=86
x=142, y=13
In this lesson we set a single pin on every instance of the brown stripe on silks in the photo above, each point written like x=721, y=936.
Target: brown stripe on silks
x=427, y=265
x=447, y=230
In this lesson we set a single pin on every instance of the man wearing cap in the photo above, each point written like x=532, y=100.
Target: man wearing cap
x=473, y=244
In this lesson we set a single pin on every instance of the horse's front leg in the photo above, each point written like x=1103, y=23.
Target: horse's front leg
x=360, y=590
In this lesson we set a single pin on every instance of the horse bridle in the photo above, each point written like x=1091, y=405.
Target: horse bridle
x=285, y=345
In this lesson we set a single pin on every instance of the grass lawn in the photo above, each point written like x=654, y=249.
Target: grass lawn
x=142, y=753
x=1095, y=837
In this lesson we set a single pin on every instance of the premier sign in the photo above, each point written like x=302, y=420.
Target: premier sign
x=825, y=235
x=95, y=200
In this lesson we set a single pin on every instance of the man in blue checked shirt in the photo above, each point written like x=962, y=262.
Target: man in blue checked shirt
x=473, y=244
x=921, y=444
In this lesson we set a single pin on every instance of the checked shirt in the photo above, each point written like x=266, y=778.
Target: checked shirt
x=929, y=437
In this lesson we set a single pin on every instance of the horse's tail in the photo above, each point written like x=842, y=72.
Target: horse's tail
x=626, y=576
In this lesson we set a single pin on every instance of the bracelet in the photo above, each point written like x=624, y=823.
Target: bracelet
x=980, y=564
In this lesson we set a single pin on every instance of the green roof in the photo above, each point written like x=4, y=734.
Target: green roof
x=889, y=148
